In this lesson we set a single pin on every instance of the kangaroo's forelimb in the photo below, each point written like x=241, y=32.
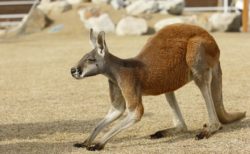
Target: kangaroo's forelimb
x=134, y=105
x=116, y=110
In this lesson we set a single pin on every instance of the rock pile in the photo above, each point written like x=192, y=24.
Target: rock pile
x=57, y=7
x=165, y=22
x=225, y=22
x=35, y=22
x=135, y=7
x=93, y=18
x=131, y=26
x=141, y=6
x=174, y=7
x=132, y=23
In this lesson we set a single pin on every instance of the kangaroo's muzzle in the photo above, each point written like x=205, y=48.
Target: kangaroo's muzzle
x=76, y=72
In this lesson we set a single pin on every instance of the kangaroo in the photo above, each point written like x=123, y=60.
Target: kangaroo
x=171, y=58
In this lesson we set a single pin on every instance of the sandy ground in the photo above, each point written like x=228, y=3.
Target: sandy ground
x=44, y=110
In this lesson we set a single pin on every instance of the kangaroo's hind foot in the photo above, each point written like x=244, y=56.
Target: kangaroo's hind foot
x=207, y=131
x=168, y=132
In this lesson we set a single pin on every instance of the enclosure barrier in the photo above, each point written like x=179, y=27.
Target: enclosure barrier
x=225, y=8
x=245, y=15
x=12, y=12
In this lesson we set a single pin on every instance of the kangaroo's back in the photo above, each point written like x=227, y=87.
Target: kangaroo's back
x=165, y=57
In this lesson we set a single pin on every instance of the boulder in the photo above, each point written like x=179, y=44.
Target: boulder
x=131, y=26
x=45, y=6
x=34, y=22
x=169, y=21
x=202, y=21
x=165, y=5
x=118, y=4
x=174, y=7
x=61, y=6
x=88, y=12
x=56, y=7
x=142, y=6
x=100, y=1
x=101, y=23
x=177, y=7
x=75, y=2
x=225, y=22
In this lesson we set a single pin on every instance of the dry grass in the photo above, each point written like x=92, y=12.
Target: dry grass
x=44, y=110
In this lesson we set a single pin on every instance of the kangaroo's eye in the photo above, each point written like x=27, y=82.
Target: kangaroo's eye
x=91, y=60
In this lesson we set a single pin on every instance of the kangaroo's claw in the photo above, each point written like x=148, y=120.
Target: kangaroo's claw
x=95, y=147
x=207, y=131
x=156, y=135
x=80, y=145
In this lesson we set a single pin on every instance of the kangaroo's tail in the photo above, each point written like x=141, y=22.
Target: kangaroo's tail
x=216, y=88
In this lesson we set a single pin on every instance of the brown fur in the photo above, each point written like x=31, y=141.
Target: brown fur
x=168, y=55
x=166, y=60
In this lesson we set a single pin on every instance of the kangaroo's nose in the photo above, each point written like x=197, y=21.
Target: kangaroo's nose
x=73, y=70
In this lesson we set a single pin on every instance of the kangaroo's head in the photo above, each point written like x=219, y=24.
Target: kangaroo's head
x=93, y=62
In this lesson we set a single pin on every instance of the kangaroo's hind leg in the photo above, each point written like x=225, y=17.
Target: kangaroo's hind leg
x=205, y=88
x=201, y=67
x=179, y=123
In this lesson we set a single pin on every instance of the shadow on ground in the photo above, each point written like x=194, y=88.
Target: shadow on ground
x=37, y=148
x=35, y=130
x=22, y=131
x=184, y=136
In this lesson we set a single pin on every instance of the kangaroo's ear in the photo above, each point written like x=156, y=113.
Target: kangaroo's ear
x=101, y=43
x=92, y=38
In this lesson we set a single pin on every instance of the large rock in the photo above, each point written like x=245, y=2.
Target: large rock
x=61, y=6
x=131, y=26
x=45, y=6
x=100, y=1
x=75, y=2
x=101, y=23
x=56, y=7
x=142, y=6
x=174, y=7
x=118, y=4
x=202, y=21
x=169, y=21
x=225, y=22
x=177, y=7
x=88, y=12
x=35, y=22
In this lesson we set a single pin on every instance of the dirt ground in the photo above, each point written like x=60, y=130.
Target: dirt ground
x=44, y=110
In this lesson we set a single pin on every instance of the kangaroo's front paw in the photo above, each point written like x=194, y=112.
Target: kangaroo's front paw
x=80, y=145
x=95, y=147
x=207, y=131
